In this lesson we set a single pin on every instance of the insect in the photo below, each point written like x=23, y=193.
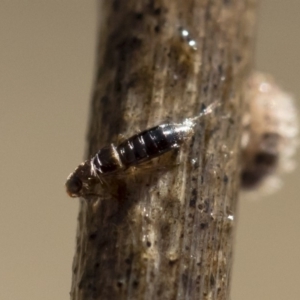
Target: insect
x=270, y=133
x=268, y=142
x=134, y=151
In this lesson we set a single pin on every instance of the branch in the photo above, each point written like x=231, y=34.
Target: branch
x=166, y=232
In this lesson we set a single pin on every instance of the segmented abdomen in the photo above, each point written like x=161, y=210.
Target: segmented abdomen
x=151, y=143
x=139, y=148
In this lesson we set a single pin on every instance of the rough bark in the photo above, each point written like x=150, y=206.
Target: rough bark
x=166, y=231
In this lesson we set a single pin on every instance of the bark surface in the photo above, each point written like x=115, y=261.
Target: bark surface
x=165, y=230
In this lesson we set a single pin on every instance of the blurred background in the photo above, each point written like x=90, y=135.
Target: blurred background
x=46, y=60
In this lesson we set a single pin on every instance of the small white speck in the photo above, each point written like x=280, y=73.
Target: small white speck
x=231, y=217
x=185, y=33
x=192, y=43
x=194, y=161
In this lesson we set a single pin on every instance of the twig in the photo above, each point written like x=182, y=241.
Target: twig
x=168, y=233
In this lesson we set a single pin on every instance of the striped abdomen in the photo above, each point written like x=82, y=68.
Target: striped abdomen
x=150, y=143
x=141, y=147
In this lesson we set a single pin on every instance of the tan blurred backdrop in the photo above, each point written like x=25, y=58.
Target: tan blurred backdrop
x=46, y=61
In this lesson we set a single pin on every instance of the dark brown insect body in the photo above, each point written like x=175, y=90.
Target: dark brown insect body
x=139, y=148
x=135, y=150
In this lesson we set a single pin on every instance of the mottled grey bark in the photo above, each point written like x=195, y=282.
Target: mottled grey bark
x=165, y=232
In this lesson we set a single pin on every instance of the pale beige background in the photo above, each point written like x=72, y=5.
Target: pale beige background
x=46, y=61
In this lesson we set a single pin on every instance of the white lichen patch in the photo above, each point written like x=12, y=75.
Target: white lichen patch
x=269, y=139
